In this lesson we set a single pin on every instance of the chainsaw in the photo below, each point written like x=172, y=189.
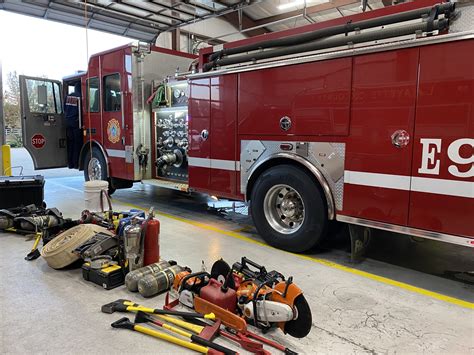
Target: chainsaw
x=265, y=299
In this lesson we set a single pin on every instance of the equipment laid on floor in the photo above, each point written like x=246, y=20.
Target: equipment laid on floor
x=96, y=195
x=132, y=240
x=21, y=191
x=99, y=244
x=155, y=283
x=144, y=318
x=228, y=318
x=122, y=305
x=264, y=299
x=34, y=253
x=125, y=323
x=43, y=223
x=132, y=278
x=102, y=271
x=236, y=328
x=151, y=243
x=30, y=218
x=59, y=252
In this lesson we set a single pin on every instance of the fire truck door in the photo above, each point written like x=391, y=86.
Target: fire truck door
x=442, y=186
x=199, y=133
x=379, y=149
x=116, y=123
x=42, y=122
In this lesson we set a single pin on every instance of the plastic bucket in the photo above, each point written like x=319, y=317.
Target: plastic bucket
x=96, y=196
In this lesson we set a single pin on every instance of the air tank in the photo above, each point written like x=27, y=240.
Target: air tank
x=132, y=278
x=153, y=284
x=132, y=239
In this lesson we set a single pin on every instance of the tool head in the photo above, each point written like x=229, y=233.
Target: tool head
x=142, y=317
x=35, y=254
x=116, y=306
x=123, y=323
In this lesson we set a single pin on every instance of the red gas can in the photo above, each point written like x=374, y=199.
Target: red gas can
x=220, y=295
x=151, y=248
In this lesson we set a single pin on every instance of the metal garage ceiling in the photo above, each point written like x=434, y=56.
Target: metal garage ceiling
x=145, y=20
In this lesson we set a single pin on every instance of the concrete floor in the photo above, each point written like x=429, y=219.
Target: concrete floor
x=49, y=311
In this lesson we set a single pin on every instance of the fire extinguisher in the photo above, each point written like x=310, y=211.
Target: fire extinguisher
x=151, y=248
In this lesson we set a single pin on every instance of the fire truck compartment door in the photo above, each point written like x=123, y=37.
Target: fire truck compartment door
x=379, y=149
x=199, y=108
x=314, y=98
x=442, y=183
x=42, y=121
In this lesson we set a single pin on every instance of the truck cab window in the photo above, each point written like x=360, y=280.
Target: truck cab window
x=93, y=94
x=112, y=93
x=51, y=100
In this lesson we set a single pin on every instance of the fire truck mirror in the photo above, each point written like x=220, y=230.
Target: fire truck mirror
x=42, y=95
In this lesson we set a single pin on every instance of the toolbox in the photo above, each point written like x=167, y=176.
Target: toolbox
x=16, y=191
x=108, y=277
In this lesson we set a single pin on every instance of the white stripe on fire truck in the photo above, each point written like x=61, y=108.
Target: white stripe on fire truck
x=443, y=186
x=116, y=153
x=409, y=183
x=231, y=165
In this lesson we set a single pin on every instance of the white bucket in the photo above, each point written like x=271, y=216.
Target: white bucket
x=93, y=195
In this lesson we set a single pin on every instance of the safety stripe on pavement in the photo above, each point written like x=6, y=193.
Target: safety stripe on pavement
x=327, y=263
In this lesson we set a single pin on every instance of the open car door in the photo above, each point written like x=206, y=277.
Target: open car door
x=43, y=125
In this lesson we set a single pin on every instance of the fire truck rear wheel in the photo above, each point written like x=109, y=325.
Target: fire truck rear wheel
x=95, y=167
x=288, y=208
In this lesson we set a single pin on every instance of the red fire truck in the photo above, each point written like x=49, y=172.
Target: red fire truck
x=367, y=120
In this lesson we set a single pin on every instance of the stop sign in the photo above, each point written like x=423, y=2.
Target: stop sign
x=38, y=141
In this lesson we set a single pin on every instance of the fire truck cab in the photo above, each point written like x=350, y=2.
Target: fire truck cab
x=114, y=115
x=367, y=120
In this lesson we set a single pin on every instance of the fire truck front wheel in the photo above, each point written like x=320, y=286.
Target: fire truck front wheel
x=95, y=167
x=288, y=208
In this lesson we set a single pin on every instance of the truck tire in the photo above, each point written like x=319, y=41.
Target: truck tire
x=288, y=208
x=95, y=167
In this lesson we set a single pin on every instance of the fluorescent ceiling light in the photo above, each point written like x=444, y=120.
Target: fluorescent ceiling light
x=294, y=3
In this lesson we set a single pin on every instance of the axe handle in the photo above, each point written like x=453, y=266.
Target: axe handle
x=171, y=339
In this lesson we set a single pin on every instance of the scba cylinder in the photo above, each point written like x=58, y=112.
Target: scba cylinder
x=154, y=284
x=132, y=278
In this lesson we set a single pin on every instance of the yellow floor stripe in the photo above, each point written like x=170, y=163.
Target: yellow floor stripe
x=327, y=263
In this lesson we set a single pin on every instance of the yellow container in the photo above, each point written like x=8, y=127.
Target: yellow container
x=6, y=161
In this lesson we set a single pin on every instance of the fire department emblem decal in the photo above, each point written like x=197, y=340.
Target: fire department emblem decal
x=113, y=130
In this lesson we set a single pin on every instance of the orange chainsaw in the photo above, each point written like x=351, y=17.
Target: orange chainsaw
x=265, y=299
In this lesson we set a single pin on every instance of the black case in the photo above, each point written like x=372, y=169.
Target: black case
x=108, y=277
x=16, y=191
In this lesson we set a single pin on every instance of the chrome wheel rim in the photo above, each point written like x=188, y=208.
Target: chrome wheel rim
x=94, y=169
x=284, y=209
